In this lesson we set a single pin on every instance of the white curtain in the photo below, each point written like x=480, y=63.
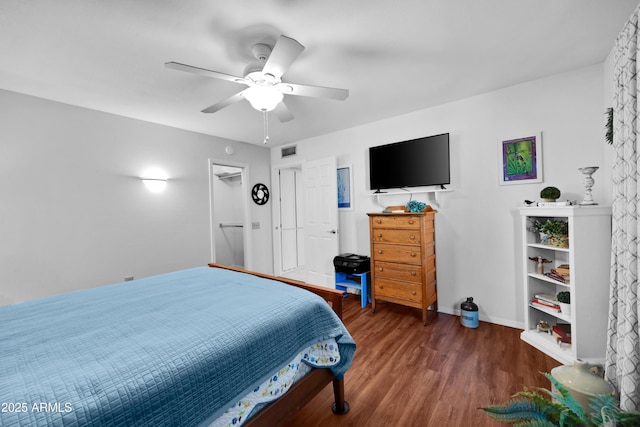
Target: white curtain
x=623, y=347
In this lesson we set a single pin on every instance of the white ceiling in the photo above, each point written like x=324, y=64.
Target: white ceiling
x=394, y=56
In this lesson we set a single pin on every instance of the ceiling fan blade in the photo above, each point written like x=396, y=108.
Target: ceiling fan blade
x=225, y=103
x=285, y=51
x=314, y=91
x=283, y=113
x=205, y=72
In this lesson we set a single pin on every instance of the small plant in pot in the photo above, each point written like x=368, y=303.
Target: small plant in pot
x=535, y=226
x=550, y=194
x=540, y=407
x=564, y=299
x=557, y=232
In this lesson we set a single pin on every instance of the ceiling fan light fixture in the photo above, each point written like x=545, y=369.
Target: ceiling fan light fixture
x=263, y=98
x=285, y=88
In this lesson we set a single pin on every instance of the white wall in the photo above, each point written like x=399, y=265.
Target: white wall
x=74, y=213
x=477, y=226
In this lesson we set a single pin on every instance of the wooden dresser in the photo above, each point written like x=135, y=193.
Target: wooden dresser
x=403, y=259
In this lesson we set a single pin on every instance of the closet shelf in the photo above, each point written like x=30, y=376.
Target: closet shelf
x=229, y=175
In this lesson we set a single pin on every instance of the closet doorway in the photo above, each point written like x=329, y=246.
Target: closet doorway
x=229, y=214
x=289, y=237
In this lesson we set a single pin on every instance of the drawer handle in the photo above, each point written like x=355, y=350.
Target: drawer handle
x=378, y=221
x=381, y=287
x=410, y=221
x=380, y=235
x=412, y=237
x=413, y=292
x=413, y=254
x=381, y=269
x=413, y=273
x=379, y=251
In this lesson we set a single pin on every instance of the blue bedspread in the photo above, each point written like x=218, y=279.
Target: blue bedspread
x=173, y=349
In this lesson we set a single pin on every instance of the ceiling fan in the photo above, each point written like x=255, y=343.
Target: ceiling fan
x=266, y=89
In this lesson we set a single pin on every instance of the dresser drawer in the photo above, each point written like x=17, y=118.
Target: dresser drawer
x=395, y=221
x=400, y=290
x=397, y=253
x=387, y=235
x=405, y=272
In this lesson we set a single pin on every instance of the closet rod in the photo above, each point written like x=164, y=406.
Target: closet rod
x=227, y=225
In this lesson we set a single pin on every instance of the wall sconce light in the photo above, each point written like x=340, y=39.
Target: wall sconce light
x=155, y=180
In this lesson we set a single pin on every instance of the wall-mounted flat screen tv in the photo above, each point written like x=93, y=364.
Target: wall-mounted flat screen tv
x=418, y=162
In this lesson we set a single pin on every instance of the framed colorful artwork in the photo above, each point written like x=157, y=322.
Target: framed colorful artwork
x=520, y=159
x=345, y=185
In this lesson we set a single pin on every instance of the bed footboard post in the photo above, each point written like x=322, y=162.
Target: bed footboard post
x=340, y=406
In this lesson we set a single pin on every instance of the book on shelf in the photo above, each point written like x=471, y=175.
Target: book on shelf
x=562, y=332
x=555, y=276
x=562, y=269
x=546, y=303
x=544, y=306
x=547, y=297
x=554, y=204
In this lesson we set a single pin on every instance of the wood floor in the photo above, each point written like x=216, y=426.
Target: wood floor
x=408, y=374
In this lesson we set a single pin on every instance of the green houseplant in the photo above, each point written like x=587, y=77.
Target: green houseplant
x=540, y=407
x=564, y=297
x=564, y=300
x=550, y=194
x=557, y=231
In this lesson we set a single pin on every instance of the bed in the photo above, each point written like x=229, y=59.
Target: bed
x=182, y=348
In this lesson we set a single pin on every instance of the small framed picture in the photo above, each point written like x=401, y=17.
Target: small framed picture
x=520, y=159
x=345, y=186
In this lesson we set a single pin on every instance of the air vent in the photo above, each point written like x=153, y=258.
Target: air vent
x=289, y=151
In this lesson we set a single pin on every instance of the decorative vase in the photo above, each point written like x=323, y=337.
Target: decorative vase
x=565, y=308
x=588, y=184
x=581, y=382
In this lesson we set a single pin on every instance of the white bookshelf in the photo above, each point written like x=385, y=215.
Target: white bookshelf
x=588, y=256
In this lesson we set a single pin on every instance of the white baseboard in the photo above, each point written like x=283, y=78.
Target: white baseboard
x=489, y=319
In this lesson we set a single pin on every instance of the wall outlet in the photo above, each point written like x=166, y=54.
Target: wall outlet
x=128, y=278
x=255, y=225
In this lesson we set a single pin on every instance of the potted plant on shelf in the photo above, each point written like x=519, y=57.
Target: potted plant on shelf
x=557, y=232
x=536, y=227
x=550, y=194
x=564, y=299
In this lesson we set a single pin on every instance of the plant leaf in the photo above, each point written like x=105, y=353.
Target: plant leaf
x=515, y=410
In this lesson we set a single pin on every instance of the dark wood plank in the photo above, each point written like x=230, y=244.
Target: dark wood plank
x=408, y=374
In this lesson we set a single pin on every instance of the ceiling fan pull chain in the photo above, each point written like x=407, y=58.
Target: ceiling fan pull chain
x=266, y=127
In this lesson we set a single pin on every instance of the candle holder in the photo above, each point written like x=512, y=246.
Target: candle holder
x=588, y=184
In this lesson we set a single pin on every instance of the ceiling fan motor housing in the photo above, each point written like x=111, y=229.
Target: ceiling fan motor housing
x=261, y=51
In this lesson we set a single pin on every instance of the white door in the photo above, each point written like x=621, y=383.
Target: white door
x=320, y=220
x=291, y=220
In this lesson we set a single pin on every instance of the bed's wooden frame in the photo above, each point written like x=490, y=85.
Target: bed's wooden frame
x=311, y=384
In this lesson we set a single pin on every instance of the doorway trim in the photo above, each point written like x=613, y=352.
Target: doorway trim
x=276, y=213
x=244, y=167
